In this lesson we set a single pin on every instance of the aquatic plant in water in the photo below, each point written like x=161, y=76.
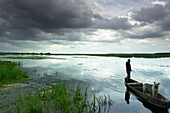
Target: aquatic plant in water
x=60, y=99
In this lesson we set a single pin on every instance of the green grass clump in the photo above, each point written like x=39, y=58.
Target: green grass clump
x=11, y=72
x=58, y=99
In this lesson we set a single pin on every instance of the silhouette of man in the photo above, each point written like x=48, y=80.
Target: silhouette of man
x=128, y=69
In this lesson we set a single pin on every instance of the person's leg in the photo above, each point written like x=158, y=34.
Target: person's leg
x=128, y=75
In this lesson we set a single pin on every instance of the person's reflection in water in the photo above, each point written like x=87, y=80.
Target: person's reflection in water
x=127, y=97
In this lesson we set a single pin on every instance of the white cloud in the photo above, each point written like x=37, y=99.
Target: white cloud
x=103, y=35
x=159, y=2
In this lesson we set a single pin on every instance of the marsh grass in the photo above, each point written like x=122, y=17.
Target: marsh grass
x=11, y=72
x=27, y=57
x=32, y=57
x=58, y=99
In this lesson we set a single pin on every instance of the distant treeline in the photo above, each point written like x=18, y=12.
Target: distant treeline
x=123, y=55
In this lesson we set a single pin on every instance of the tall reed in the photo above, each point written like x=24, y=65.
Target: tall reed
x=59, y=99
x=11, y=71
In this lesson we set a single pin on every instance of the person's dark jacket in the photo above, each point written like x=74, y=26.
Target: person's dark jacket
x=128, y=67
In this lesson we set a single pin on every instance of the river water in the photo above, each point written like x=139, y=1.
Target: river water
x=105, y=75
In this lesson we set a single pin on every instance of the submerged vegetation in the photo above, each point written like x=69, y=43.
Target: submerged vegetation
x=58, y=99
x=11, y=72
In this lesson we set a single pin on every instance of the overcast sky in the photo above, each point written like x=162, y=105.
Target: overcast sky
x=83, y=26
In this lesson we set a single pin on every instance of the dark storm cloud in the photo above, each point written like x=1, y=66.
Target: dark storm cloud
x=146, y=34
x=26, y=19
x=157, y=16
x=71, y=37
x=151, y=14
x=114, y=23
x=45, y=14
x=165, y=23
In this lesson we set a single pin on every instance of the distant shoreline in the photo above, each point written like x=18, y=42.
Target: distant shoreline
x=122, y=55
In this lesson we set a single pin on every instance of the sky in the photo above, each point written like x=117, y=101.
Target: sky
x=85, y=26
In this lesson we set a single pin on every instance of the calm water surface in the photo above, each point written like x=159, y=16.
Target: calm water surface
x=105, y=75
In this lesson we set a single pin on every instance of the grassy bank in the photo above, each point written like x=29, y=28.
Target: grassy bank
x=60, y=99
x=11, y=72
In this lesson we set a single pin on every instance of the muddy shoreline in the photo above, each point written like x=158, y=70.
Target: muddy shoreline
x=11, y=93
